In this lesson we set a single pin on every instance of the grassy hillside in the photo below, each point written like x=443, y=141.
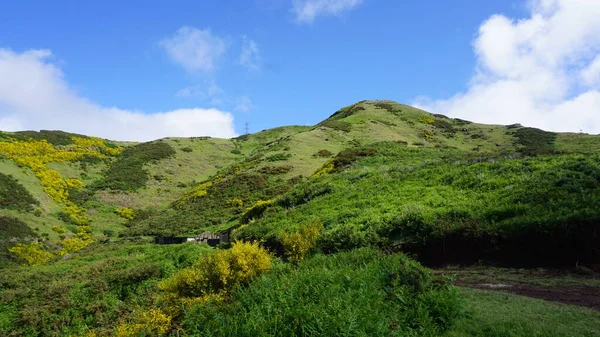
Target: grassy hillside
x=334, y=207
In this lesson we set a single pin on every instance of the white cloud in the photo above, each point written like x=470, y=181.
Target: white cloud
x=307, y=10
x=194, y=49
x=35, y=95
x=250, y=57
x=542, y=71
x=244, y=104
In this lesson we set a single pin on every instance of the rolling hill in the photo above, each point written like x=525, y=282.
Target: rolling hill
x=374, y=176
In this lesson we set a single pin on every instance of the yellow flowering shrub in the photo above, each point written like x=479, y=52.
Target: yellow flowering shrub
x=297, y=245
x=32, y=253
x=70, y=245
x=198, y=192
x=236, y=202
x=255, y=211
x=35, y=154
x=73, y=183
x=152, y=322
x=324, y=169
x=126, y=213
x=58, y=229
x=427, y=120
x=216, y=275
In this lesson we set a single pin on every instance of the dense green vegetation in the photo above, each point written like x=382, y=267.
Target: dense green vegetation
x=14, y=196
x=53, y=137
x=325, y=214
x=104, y=284
x=127, y=173
x=434, y=201
x=12, y=230
x=362, y=293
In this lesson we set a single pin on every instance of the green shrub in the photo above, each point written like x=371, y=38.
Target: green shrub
x=303, y=193
x=255, y=211
x=337, y=125
x=444, y=125
x=14, y=196
x=12, y=229
x=347, y=111
x=127, y=173
x=391, y=107
x=535, y=141
x=269, y=170
x=323, y=154
x=361, y=293
x=53, y=137
x=278, y=157
x=187, y=149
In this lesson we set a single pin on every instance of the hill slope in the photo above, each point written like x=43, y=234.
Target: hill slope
x=329, y=202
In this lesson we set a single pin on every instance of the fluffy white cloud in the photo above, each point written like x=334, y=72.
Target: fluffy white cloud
x=194, y=49
x=307, y=10
x=34, y=95
x=543, y=70
x=250, y=56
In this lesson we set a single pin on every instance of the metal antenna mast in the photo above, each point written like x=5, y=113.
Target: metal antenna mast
x=247, y=125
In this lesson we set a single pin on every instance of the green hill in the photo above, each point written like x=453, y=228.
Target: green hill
x=374, y=176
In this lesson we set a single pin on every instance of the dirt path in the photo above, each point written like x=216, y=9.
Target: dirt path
x=582, y=296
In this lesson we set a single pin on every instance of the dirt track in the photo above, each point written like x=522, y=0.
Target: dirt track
x=582, y=296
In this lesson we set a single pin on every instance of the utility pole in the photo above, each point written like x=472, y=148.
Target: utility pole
x=247, y=125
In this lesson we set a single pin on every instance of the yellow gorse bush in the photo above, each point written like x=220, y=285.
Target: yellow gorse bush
x=126, y=213
x=255, y=210
x=236, y=202
x=324, y=169
x=198, y=192
x=215, y=276
x=32, y=253
x=152, y=322
x=297, y=245
x=35, y=155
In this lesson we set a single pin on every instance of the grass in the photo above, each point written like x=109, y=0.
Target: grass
x=93, y=289
x=526, y=276
x=495, y=314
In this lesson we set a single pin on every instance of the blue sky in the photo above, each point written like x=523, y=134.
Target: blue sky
x=282, y=62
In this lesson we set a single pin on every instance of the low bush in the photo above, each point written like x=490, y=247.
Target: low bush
x=303, y=193
x=323, y=154
x=271, y=170
x=535, y=141
x=298, y=244
x=255, y=211
x=34, y=253
x=218, y=274
x=337, y=125
x=347, y=111
x=187, y=149
x=278, y=157
x=14, y=196
x=127, y=173
x=360, y=293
